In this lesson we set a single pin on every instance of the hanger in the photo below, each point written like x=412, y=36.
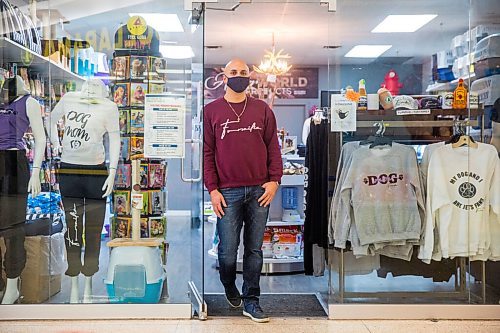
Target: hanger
x=378, y=139
x=465, y=140
x=317, y=117
x=460, y=138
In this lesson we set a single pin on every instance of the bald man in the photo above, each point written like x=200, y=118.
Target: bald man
x=242, y=172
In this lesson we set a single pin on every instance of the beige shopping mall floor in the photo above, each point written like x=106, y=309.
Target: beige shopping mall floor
x=243, y=325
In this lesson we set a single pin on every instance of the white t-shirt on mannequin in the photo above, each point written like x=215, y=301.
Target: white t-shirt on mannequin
x=88, y=116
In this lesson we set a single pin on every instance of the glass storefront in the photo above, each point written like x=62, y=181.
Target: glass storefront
x=425, y=94
x=387, y=117
x=114, y=93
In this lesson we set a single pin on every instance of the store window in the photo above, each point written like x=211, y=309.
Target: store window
x=414, y=212
x=387, y=117
x=97, y=98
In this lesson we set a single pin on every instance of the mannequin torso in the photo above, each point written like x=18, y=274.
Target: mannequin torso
x=22, y=113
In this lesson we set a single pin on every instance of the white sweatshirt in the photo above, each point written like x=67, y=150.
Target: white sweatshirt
x=426, y=159
x=463, y=195
x=86, y=122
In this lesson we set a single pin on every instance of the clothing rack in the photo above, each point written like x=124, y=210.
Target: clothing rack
x=460, y=275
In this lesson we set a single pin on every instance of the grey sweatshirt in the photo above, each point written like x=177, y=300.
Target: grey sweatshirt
x=339, y=225
x=383, y=187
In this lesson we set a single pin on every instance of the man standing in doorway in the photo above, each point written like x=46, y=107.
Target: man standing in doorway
x=242, y=171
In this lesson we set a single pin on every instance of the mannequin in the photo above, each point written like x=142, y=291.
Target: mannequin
x=84, y=180
x=18, y=112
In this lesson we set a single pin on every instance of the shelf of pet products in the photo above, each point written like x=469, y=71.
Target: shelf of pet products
x=214, y=255
x=47, y=205
x=298, y=260
x=15, y=53
x=213, y=219
x=448, y=86
x=392, y=114
x=422, y=128
x=284, y=223
x=281, y=247
x=293, y=170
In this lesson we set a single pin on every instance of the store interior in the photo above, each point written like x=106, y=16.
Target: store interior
x=317, y=36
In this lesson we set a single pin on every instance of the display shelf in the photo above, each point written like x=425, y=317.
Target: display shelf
x=15, y=53
x=284, y=223
x=292, y=180
x=279, y=261
x=119, y=242
x=388, y=115
x=212, y=219
x=293, y=157
x=271, y=265
x=448, y=86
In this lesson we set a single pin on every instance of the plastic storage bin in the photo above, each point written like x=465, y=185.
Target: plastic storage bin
x=486, y=56
x=289, y=197
x=487, y=89
x=135, y=275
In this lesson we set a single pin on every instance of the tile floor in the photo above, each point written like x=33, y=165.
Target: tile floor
x=242, y=325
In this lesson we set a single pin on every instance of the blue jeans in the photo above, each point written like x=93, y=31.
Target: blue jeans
x=242, y=210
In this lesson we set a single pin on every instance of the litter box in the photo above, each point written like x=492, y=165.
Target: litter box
x=135, y=275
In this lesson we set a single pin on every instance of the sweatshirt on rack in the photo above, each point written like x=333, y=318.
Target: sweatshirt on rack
x=240, y=151
x=463, y=199
x=383, y=186
x=339, y=223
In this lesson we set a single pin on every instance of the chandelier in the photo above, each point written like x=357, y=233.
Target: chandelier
x=274, y=63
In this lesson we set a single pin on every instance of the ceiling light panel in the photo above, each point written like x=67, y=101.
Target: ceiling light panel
x=403, y=23
x=162, y=22
x=176, y=51
x=367, y=51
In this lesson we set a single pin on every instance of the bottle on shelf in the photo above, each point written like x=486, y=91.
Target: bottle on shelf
x=460, y=96
x=363, y=100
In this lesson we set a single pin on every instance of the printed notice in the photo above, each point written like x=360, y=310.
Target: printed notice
x=343, y=114
x=164, y=126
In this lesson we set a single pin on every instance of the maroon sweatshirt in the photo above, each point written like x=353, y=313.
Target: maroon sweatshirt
x=244, y=153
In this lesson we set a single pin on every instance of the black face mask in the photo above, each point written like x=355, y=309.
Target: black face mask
x=238, y=83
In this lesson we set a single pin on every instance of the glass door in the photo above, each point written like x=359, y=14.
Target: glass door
x=191, y=166
x=257, y=32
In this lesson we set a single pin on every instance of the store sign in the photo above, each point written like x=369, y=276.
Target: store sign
x=164, y=126
x=297, y=83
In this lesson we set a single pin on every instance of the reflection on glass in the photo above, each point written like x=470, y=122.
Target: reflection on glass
x=432, y=106
x=97, y=200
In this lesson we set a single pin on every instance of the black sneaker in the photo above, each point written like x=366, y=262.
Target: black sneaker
x=233, y=297
x=255, y=312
